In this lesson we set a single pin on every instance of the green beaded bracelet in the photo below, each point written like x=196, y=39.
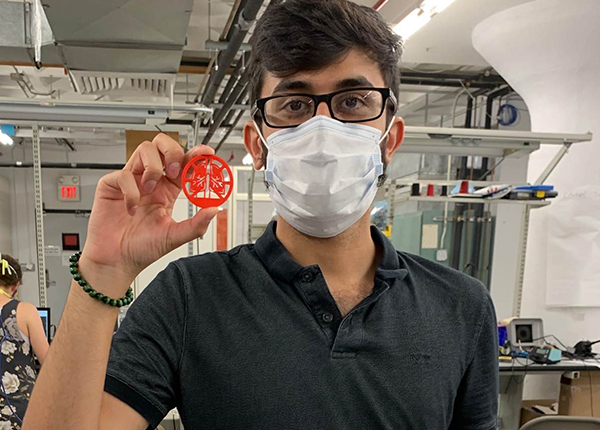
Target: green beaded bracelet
x=117, y=303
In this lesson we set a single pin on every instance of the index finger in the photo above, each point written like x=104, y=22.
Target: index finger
x=172, y=153
x=196, y=151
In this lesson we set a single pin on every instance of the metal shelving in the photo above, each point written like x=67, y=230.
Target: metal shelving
x=478, y=142
x=486, y=143
x=532, y=203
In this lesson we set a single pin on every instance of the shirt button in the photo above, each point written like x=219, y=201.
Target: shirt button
x=307, y=276
x=327, y=317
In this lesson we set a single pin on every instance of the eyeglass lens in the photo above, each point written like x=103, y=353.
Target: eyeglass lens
x=351, y=105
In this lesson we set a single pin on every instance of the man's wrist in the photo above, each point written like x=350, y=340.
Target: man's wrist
x=109, y=280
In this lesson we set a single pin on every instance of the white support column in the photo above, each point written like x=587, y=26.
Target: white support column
x=521, y=258
x=39, y=215
x=191, y=142
x=508, y=254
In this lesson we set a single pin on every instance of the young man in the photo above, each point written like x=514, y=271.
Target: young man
x=321, y=324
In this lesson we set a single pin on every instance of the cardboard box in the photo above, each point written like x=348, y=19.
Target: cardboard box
x=578, y=395
x=133, y=138
x=527, y=411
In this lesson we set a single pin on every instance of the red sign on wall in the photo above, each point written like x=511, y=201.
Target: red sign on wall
x=68, y=192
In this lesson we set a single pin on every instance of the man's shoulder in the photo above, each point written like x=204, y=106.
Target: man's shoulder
x=433, y=275
x=188, y=275
x=237, y=258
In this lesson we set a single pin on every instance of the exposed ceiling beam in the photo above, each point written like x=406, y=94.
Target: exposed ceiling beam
x=421, y=102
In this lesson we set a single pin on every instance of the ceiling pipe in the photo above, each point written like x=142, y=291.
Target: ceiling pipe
x=379, y=5
x=235, y=122
x=490, y=103
x=239, y=70
x=474, y=266
x=237, y=73
x=443, y=83
x=213, y=45
x=220, y=116
x=226, y=57
x=234, y=16
x=91, y=166
x=63, y=141
x=464, y=76
x=228, y=120
x=239, y=103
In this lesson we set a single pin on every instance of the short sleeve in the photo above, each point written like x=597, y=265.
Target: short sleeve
x=476, y=404
x=146, y=350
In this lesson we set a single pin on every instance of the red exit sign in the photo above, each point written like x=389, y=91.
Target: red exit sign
x=68, y=192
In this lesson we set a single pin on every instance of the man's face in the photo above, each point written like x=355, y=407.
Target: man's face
x=354, y=70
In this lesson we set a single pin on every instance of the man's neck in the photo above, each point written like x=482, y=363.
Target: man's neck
x=350, y=257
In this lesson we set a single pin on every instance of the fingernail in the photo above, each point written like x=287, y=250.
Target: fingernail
x=149, y=186
x=173, y=170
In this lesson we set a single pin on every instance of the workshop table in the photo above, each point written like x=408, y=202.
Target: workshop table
x=512, y=376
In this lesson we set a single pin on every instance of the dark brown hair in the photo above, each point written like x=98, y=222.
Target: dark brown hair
x=299, y=35
x=12, y=278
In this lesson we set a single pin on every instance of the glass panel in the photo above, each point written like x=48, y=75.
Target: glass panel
x=243, y=178
x=262, y=215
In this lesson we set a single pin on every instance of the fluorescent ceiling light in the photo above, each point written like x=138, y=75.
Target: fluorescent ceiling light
x=5, y=139
x=435, y=6
x=247, y=160
x=420, y=16
x=414, y=21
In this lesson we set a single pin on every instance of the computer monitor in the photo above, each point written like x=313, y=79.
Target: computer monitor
x=45, y=316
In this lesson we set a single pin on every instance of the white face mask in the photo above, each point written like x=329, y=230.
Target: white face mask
x=323, y=174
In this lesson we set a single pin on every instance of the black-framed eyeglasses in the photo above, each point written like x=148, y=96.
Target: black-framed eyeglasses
x=350, y=105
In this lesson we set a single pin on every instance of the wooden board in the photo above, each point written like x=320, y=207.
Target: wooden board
x=133, y=138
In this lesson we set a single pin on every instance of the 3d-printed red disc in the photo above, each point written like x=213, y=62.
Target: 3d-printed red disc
x=207, y=181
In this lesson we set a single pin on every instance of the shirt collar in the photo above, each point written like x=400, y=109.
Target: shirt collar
x=280, y=264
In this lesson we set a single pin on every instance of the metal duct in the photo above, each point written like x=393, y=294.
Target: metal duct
x=156, y=84
x=16, y=41
x=132, y=39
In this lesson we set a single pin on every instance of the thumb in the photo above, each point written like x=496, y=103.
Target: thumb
x=190, y=229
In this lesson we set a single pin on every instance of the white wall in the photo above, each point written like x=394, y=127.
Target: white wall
x=5, y=217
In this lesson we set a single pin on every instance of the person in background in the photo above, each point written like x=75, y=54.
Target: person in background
x=22, y=335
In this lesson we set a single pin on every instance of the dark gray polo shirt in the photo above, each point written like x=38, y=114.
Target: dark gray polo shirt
x=249, y=339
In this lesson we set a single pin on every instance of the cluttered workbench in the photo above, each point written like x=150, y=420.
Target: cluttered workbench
x=524, y=350
x=512, y=377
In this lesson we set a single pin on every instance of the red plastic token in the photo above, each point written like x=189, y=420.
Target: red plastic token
x=207, y=181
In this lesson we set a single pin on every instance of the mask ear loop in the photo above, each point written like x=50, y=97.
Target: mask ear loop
x=387, y=131
x=383, y=175
x=268, y=174
x=264, y=141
